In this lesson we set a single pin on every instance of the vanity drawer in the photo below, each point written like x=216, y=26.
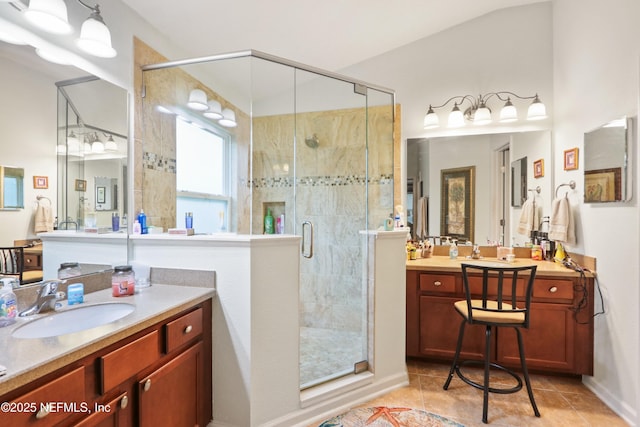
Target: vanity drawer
x=475, y=286
x=553, y=289
x=183, y=330
x=125, y=362
x=27, y=409
x=32, y=261
x=441, y=283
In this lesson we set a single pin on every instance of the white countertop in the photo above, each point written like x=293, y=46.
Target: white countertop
x=28, y=359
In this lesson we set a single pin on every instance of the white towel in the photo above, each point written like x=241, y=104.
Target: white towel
x=561, y=228
x=421, y=218
x=529, y=218
x=43, y=220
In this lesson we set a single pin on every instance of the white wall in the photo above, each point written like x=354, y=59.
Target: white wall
x=596, y=54
x=28, y=141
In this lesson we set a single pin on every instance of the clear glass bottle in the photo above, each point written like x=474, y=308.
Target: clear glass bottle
x=123, y=281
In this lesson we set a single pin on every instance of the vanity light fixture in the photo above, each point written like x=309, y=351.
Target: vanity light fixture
x=480, y=114
x=197, y=100
x=110, y=145
x=229, y=118
x=215, y=110
x=51, y=16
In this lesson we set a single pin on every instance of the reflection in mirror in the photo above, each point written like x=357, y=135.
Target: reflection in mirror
x=496, y=220
x=11, y=187
x=92, y=153
x=519, y=182
x=25, y=77
x=607, y=162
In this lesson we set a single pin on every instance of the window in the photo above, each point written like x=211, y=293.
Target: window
x=202, y=177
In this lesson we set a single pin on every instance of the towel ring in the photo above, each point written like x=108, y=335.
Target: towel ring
x=571, y=184
x=38, y=198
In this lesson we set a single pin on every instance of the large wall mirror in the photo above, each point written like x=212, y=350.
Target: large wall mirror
x=495, y=220
x=37, y=121
x=607, y=162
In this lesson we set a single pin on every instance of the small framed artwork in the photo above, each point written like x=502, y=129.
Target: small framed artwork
x=81, y=185
x=457, y=192
x=571, y=159
x=41, y=182
x=538, y=168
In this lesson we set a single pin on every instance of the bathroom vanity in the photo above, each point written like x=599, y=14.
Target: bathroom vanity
x=560, y=337
x=120, y=373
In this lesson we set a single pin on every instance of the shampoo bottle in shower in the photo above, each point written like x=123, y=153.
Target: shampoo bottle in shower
x=268, y=223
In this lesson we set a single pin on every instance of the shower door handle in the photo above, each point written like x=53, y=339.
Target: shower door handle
x=307, y=253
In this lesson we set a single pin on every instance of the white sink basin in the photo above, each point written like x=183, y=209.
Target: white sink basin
x=73, y=320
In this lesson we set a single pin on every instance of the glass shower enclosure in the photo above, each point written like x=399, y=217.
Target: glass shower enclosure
x=311, y=149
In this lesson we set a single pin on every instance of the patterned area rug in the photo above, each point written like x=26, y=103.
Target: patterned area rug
x=382, y=416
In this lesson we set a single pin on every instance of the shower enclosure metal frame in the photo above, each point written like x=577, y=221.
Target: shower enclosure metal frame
x=368, y=217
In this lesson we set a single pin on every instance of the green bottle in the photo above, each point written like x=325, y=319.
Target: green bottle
x=268, y=223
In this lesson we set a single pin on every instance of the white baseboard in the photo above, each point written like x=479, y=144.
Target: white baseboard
x=624, y=410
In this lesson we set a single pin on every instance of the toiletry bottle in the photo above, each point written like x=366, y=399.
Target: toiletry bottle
x=142, y=219
x=453, y=250
x=8, y=303
x=188, y=220
x=268, y=223
x=115, y=222
x=136, y=227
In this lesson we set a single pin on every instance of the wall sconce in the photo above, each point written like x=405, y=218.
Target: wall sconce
x=479, y=113
x=51, y=16
x=215, y=110
x=228, y=118
x=110, y=145
x=197, y=100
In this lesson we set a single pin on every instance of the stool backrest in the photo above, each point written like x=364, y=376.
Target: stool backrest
x=12, y=262
x=500, y=288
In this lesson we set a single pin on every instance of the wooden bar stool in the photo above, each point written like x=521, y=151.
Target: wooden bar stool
x=503, y=301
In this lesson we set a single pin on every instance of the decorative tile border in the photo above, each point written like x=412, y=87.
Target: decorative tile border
x=157, y=162
x=321, y=181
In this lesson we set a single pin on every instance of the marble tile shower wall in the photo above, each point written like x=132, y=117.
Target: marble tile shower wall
x=331, y=193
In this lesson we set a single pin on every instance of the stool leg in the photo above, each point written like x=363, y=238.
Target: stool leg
x=487, y=362
x=525, y=372
x=457, y=355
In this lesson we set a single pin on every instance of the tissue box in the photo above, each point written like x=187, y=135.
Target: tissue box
x=503, y=251
x=182, y=231
x=75, y=293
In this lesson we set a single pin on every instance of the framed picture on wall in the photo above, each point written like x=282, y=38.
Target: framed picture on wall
x=571, y=159
x=538, y=168
x=41, y=182
x=457, y=203
x=81, y=185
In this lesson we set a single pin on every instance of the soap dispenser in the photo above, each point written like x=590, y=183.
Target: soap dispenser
x=8, y=303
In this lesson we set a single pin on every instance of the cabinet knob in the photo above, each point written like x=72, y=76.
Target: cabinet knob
x=188, y=329
x=43, y=412
x=147, y=385
x=28, y=260
x=553, y=289
x=124, y=401
x=437, y=283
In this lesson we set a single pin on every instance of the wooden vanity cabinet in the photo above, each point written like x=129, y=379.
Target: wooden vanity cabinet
x=558, y=339
x=161, y=375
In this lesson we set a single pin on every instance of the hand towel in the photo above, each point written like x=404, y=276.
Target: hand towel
x=528, y=217
x=561, y=227
x=421, y=218
x=43, y=220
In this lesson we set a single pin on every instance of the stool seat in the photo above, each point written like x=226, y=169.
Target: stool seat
x=495, y=305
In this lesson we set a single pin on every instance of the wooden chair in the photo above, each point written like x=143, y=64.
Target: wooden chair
x=500, y=303
x=12, y=265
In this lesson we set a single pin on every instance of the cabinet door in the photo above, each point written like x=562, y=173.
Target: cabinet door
x=439, y=327
x=113, y=413
x=548, y=343
x=172, y=395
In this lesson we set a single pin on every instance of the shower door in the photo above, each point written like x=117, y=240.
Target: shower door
x=330, y=208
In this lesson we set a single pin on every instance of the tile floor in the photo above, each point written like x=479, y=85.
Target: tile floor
x=562, y=401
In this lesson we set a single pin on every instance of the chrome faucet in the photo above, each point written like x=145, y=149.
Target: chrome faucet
x=46, y=299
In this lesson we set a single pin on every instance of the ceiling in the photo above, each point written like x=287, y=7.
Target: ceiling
x=329, y=34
